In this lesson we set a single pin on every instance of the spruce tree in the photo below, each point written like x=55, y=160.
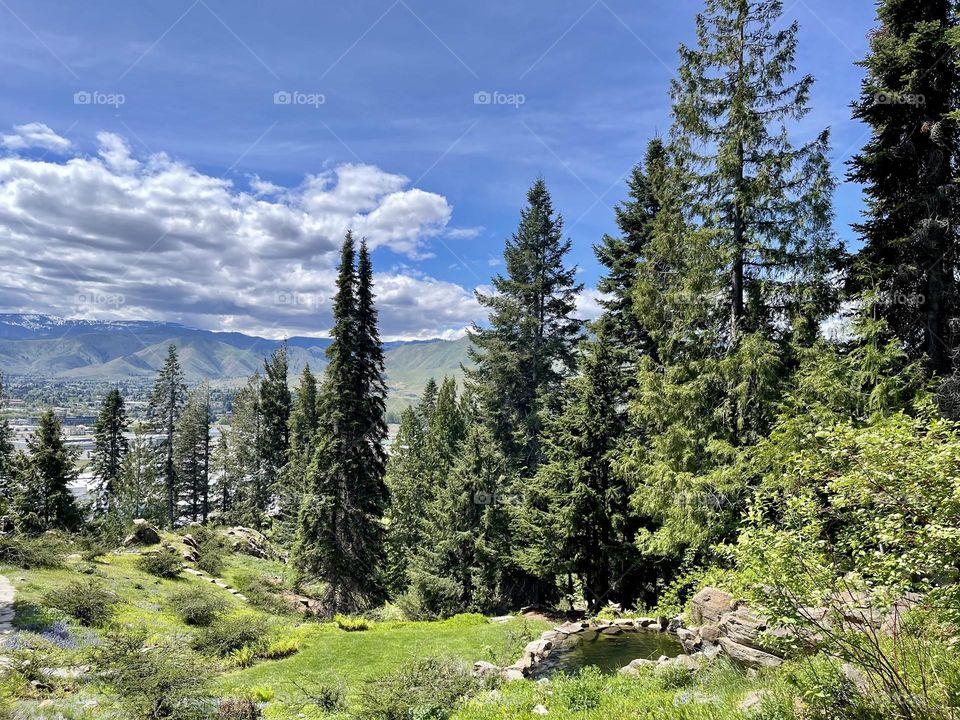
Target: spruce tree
x=7, y=453
x=192, y=452
x=341, y=537
x=576, y=518
x=110, y=446
x=909, y=170
x=275, y=406
x=139, y=494
x=523, y=354
x=765, y=201
x=410, y=491
x=250, y=491
x=166, y=402
x=42, y=498
x=302, y=429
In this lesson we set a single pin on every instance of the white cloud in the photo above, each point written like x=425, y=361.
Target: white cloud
x=34, y=135
x=119, y=236
x=588, y=304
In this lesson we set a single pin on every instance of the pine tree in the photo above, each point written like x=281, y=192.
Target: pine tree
x=138, y=494
x=166, y=402
x=192, y=452
x=407, y=481
x=576, y=512
x=42, y=499
x=622, y=255
x=341, y=537
x=302, y=430
x=528, y=347
x=7, y=453
x=110, y=446
x=275, y=406
x=909, y=169
x=250, y=492
x=766, y=202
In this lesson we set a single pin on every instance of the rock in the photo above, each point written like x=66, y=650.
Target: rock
x=710, y=604
x=570, y=628
x=856, y=678
x=484, y=669
x=745, y=655
x=539, y=710
x=612, y=630
x=624, y=624
x=752, y=700
x=188, y=540
x=689, y=639
x=6, y=525
x=675, y=624
x=710, y=633
x=743, y=627
x=143, y=534
x=645, y=622
x=510, y=674
x=587, y=635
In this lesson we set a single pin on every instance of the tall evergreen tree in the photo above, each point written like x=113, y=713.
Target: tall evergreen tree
x=166, y=402
x=302, y=430
x=765, y=201
x=7, y=452
x=250, y=491
x=42, y=499
x=109, y=447
x=576, y=514
x=275, y=407
x=192, y=453
x=139, y=494
x=909, y=99
x=410, y=491
x=523, y=354
x=341, y=537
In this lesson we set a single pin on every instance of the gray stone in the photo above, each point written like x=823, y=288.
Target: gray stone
x=745, y=655
x=710, y=604
x=752, y=700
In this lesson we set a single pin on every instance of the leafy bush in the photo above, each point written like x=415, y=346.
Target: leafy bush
x=263, y=592
x=238, y=709
x=153, y=680
x=351, y=624
x=46, y=551
x=428, y=688
x=673, y=676
x=281, y=648
x=243, y=657
x=413, y=606
x=229, y=633
x=262, y=693
x=211, y=549
x=164, y=563
x=87, y=601
x=583, y=691
x=197, y=608
x=388, y=612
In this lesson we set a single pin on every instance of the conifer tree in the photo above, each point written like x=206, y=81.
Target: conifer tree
x=166, y=402
x=7, y=452
x=275, y=406
x=302, y=429
x=139, y=495
x=110, y=446
x=42, y=497
x=341, y=537
x=523, y=354
x=765, y=201
x=909, y=170
x=576, y=512
x=192, y=452
x=407, y=482
x=250, y=492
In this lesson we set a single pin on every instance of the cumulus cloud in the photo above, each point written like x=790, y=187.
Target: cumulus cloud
x=114, y=235
x=34, y=135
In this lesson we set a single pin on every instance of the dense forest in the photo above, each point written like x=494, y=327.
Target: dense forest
x=757, y=407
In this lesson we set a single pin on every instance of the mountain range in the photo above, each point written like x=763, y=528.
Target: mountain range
x=43, y=346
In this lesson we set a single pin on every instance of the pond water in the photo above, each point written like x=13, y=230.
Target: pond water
x=611, y=652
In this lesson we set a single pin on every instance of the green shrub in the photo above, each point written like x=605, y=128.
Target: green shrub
x=388, y=612
x=263, y=592
x=238, y=709
x=46, y=551
x=164, y=563
x=424, y=688
x=351, y=624
x=413, y=606
x=197, y=608
x=243, y=657
x=229, y=633
x=673, y=676
x=262, y=693
x=211, y=550
x=281, y=648
x=153, y=680
x=86, y=601
x=583, y=691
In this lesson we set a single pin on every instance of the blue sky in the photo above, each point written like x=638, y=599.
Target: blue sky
x=125, y=107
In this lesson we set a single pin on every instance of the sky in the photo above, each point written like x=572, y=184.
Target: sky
x=199, y=161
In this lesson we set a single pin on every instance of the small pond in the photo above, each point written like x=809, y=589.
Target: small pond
x=611, y=652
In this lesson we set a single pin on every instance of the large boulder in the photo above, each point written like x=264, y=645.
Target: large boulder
x=751, y=657
x=143, y=533
x=710, y=604
x=250, y=542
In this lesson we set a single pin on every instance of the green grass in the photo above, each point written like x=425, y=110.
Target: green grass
x=336, y=657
